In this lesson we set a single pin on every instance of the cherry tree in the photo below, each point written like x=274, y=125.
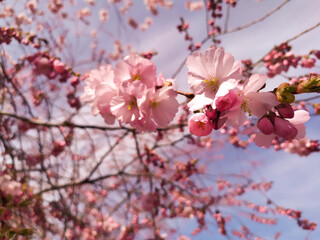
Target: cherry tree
x=107, y=133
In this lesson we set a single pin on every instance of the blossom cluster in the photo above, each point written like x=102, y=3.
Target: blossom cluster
x=6, y=35
x=280, y=59
x=223, y=98
x=9, y=186
x=132, y=93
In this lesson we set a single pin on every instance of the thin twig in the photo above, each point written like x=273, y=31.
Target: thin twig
x=62, y=124
x=304, y=32
x=289, y=40
x=231, y=31
x=255, y=21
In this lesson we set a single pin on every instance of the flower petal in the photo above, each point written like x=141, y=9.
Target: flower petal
x=262, y=140
x=300, y=117
x=255, y=82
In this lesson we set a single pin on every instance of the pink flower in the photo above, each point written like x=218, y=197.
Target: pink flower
x=208, y=70
x=308, y=62
x=9, y=186
x=199, y=125
x=254, y=102
x=125, y=105
x=230, y=101
x=149, y=202
x=58, y=66
x=159, y=106
x=152, y=5
x=99, y=91
x=135, y=70
x=103, y=15
x=182, y=237
x=42, y=66
x=194, y=6
x=85, y=12
x=235, y=102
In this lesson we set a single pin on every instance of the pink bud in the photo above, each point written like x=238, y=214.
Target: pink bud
x=149, y=202
x=75, y=81
x=211, y=113
x=284, y=129
x=199, y=125
x=227, y=101
x=58, y=66
x=308, y=62
x=285, y=110
x=265, y=126
x=317, y=54
x=42, y=66
x=132, y=23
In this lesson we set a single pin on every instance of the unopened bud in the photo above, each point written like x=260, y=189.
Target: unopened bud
x=265, y=126
x=58, y=66
x=211, y=113
x=285, y=97
x=285, y=110
x=285, y=92
x=284, y=129
x=311, y=85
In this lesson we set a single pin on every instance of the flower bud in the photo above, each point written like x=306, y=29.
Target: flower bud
x=311, y=85
x=211, y=113
x=284, y=129
x=58, y=66
x=265, y=126
x=199, y=125
x=228, y=101
x=285, y=110
x=284, y=95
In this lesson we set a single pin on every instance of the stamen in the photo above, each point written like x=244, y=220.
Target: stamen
x=213, y=84
x=136, y=77
x=132, y=104
x=245, y=107
x=155, y=104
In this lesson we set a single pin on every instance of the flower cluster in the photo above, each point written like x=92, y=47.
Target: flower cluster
x=224, y=99
x=6, y=35
x=132, y=94
x=9, y=186
x=49, y=66
x=280, y=59
x=302, y=147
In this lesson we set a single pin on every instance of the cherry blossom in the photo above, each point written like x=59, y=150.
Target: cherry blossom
x=199, y=125
x=159, y=106
x=208, y=70
x=99, y=90
x=9, y=186
x=135, y=70
x=194, y=6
